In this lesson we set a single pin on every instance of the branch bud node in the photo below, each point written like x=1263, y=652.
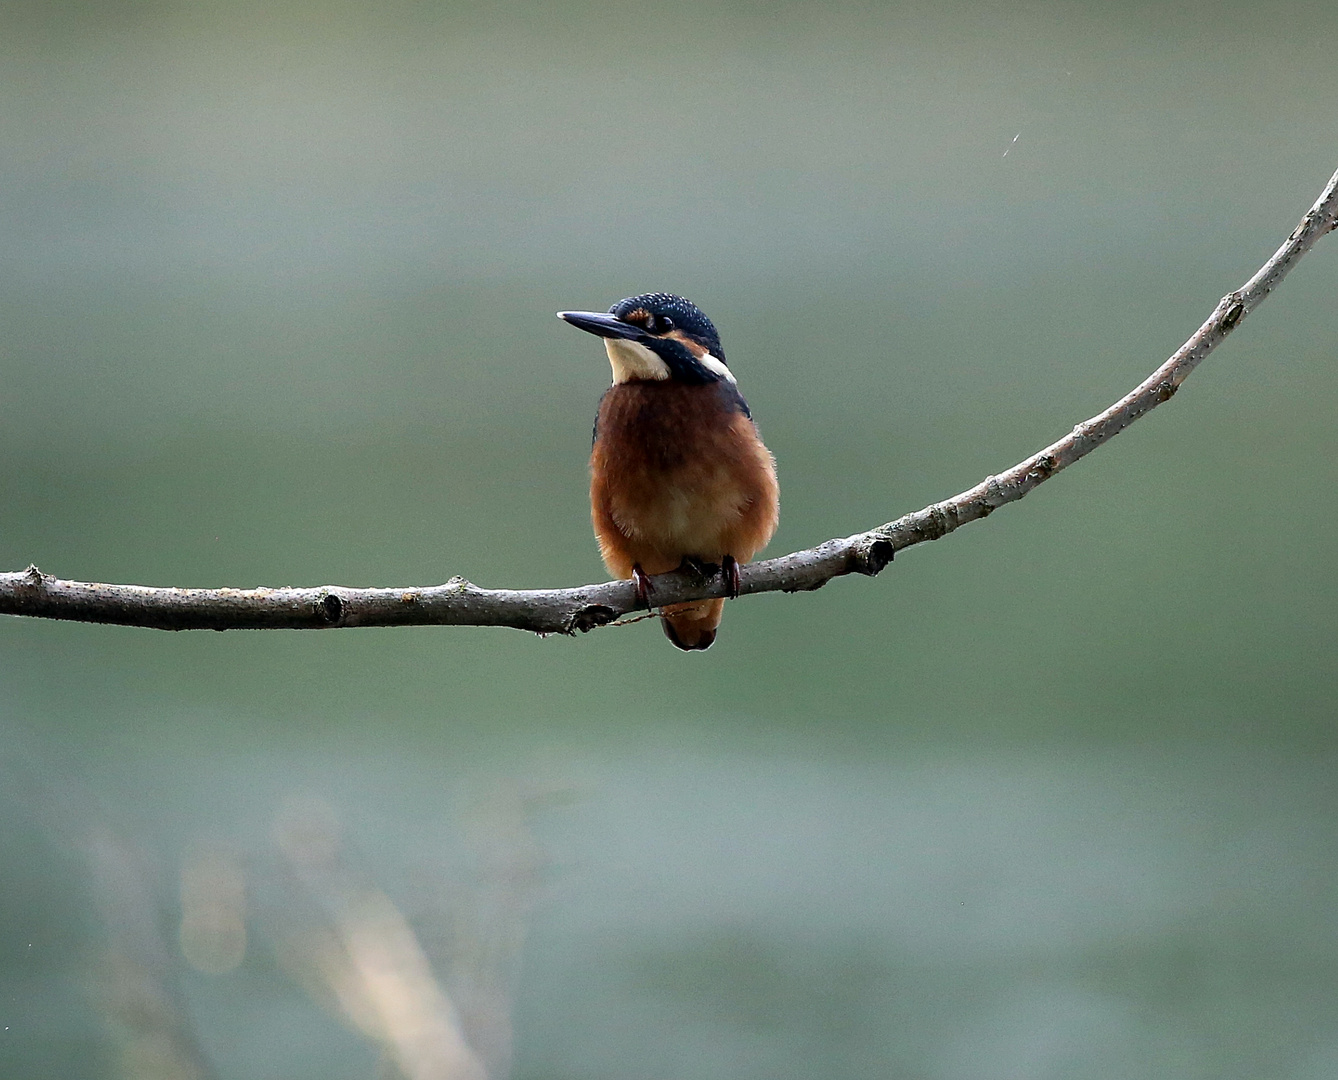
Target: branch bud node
x=937, y=525
x=874, y=557
x=330, y=609
x=1043, y=469
x=587, y=618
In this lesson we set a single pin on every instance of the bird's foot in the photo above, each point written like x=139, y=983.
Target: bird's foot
x=643, y=586
x=729, y=570
x=702, y=572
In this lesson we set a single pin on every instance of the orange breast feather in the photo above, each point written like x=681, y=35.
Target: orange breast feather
x=678, y=470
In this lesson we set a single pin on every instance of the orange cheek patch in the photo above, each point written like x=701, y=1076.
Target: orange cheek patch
x=698, y=350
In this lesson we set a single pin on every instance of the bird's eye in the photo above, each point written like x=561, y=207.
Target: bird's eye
x=661, y=324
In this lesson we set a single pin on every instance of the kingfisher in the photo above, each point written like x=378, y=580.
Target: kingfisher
x=678, y=474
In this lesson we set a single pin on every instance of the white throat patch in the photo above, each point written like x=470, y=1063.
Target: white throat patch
x=632, y=360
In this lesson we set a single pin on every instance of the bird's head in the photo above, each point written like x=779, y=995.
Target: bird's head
x=656, y=336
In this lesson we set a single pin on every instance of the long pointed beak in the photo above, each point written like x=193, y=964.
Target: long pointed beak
x=596, y=322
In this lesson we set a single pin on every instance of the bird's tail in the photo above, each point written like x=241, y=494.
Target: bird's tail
x=692, y=625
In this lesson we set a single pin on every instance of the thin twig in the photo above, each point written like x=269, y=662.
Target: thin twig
x=565, y=611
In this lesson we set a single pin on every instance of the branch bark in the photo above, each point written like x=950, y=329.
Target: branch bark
x=566, y=611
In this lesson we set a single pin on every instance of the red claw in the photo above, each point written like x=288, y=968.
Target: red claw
x=643, y=586
x=729, y=569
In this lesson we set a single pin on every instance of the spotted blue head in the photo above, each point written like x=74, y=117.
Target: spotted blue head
x=657, y=336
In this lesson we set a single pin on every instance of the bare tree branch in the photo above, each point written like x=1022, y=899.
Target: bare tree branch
x=565, y=611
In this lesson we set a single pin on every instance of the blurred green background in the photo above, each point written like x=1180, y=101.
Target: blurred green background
x=1053, y=797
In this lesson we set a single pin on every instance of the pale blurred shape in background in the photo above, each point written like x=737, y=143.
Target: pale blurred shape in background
x=213, y=909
